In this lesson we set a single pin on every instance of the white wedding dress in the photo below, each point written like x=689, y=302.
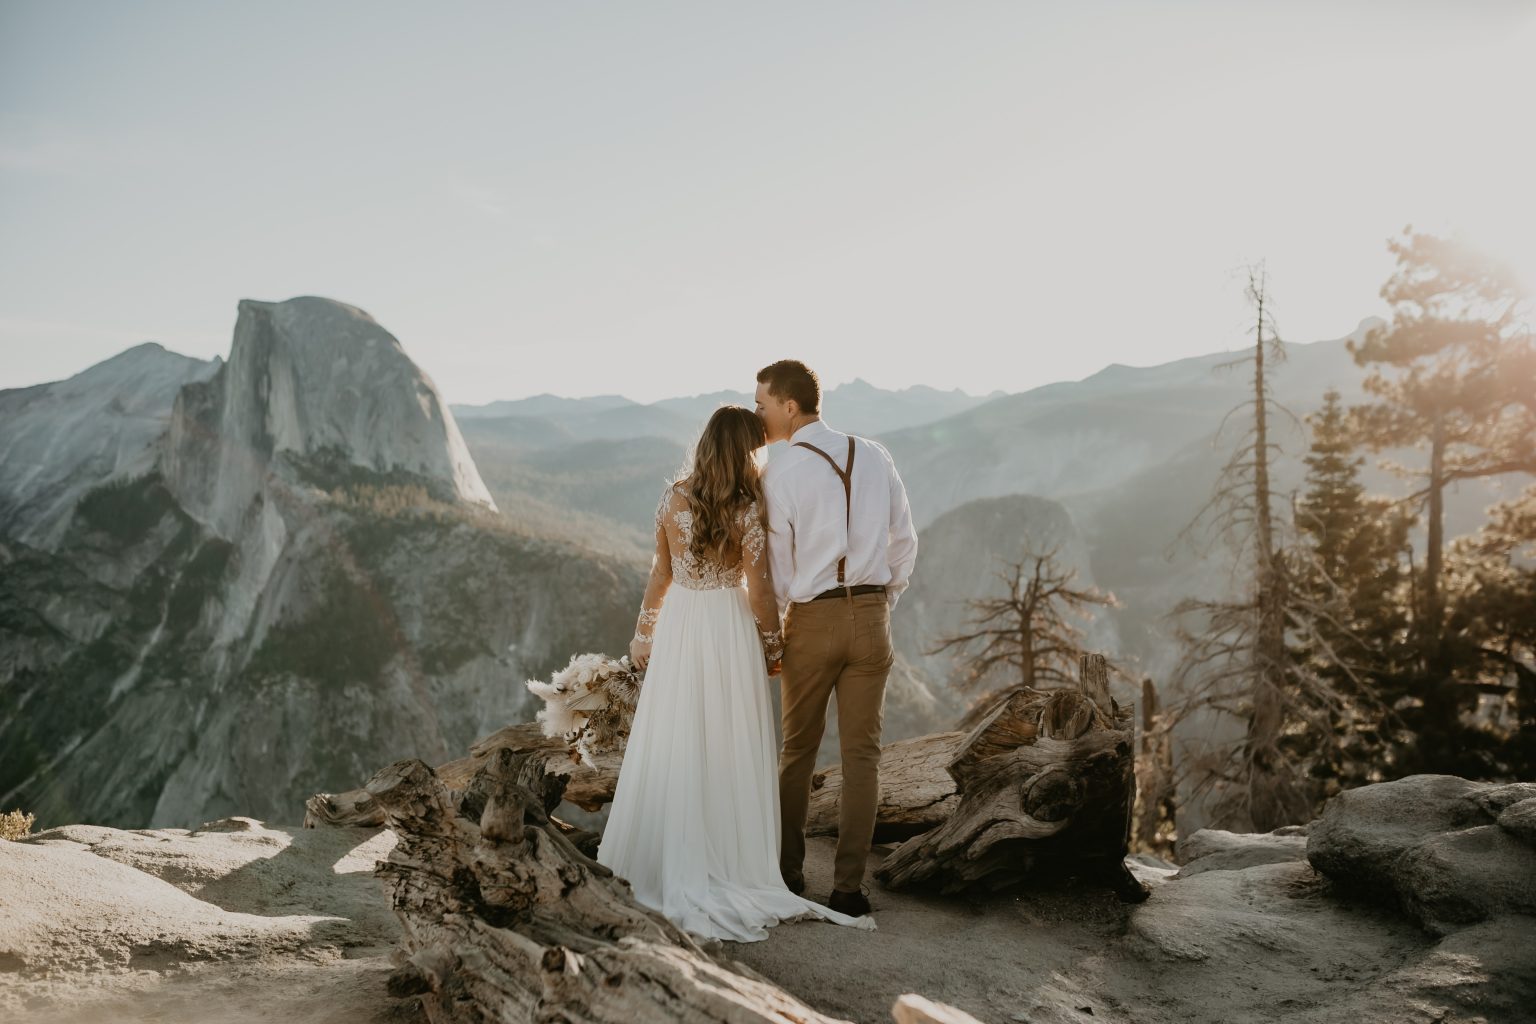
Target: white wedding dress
x=694, y=824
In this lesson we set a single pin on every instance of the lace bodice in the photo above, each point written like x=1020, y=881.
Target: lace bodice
x=695, y=573
x=674, y=532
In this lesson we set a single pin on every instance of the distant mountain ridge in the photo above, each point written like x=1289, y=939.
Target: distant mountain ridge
x=62, y=438
x=1052, y=441
x=607, y=458
x=1089, y=435
x=857, y=406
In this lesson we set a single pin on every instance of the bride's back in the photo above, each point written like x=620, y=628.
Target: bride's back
x=675, y=515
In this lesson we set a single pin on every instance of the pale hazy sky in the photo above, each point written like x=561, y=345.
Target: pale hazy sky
x=658, y=198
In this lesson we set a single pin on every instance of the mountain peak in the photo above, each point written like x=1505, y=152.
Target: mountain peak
x=321, y=380
x=309, y=305
x=146, y=356
x=65, y=437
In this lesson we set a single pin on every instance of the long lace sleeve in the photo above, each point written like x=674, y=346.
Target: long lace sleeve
x=661, y=576
x=756, y=567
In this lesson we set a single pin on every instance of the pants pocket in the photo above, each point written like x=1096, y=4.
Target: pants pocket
x=872, y=639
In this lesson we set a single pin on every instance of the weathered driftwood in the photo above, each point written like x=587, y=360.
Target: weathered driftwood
x=916, y=793
x=587, y=788
x=504, y=919
x=1045, y=782
x=352, y=809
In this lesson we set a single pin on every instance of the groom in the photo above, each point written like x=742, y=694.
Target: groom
x=841, y=546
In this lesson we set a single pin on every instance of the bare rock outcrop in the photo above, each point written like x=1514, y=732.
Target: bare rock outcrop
x=235, y=921
x=1448, y=852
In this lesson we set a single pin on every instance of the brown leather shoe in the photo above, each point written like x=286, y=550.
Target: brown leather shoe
x=854, y=904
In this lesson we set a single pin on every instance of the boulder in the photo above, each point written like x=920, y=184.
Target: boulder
x=1460, y=878
x=1434, y=846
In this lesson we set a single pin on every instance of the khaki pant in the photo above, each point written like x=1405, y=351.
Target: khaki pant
x=833, y=647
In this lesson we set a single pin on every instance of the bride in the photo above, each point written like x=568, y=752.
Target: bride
x=694, y=824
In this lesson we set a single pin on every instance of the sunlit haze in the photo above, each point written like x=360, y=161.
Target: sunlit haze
x=656, y=199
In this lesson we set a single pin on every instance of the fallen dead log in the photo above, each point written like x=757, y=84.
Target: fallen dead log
x=587, y=788
x=915, y=791
x=504, y=919
x=1045, y=781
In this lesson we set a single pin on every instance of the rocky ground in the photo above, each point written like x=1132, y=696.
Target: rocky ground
x=1246, y=932
x=231, y=922
x=237, y=921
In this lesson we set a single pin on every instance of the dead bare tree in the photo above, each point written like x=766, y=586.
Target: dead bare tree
x=1237, y=661
x=1024, y=630
x=1154, y=818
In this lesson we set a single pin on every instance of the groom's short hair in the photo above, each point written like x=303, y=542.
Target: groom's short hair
x=790, y=378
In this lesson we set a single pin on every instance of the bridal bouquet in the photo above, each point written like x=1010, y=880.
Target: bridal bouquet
x=590, y=704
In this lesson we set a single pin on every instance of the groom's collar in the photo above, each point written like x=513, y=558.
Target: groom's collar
x=809, y=431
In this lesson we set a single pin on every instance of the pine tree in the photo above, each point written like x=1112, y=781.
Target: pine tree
x=1491, y=580
x=1329, y=513
x=1349, y=568
x=1455, y=370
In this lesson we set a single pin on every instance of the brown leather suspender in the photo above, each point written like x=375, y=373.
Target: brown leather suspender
x=846, y=475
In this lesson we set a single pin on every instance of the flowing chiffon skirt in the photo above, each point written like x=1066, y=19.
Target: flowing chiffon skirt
x=694, y=824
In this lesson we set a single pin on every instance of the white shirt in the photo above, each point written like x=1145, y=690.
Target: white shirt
x=808, y=519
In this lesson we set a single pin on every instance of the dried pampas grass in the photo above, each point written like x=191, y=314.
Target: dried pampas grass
x=590, y=704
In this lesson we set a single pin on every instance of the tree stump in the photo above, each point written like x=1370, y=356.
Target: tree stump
x=504, y=919
x=1046, y=782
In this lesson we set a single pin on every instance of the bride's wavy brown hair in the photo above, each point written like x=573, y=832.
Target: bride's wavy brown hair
x=721, y=477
